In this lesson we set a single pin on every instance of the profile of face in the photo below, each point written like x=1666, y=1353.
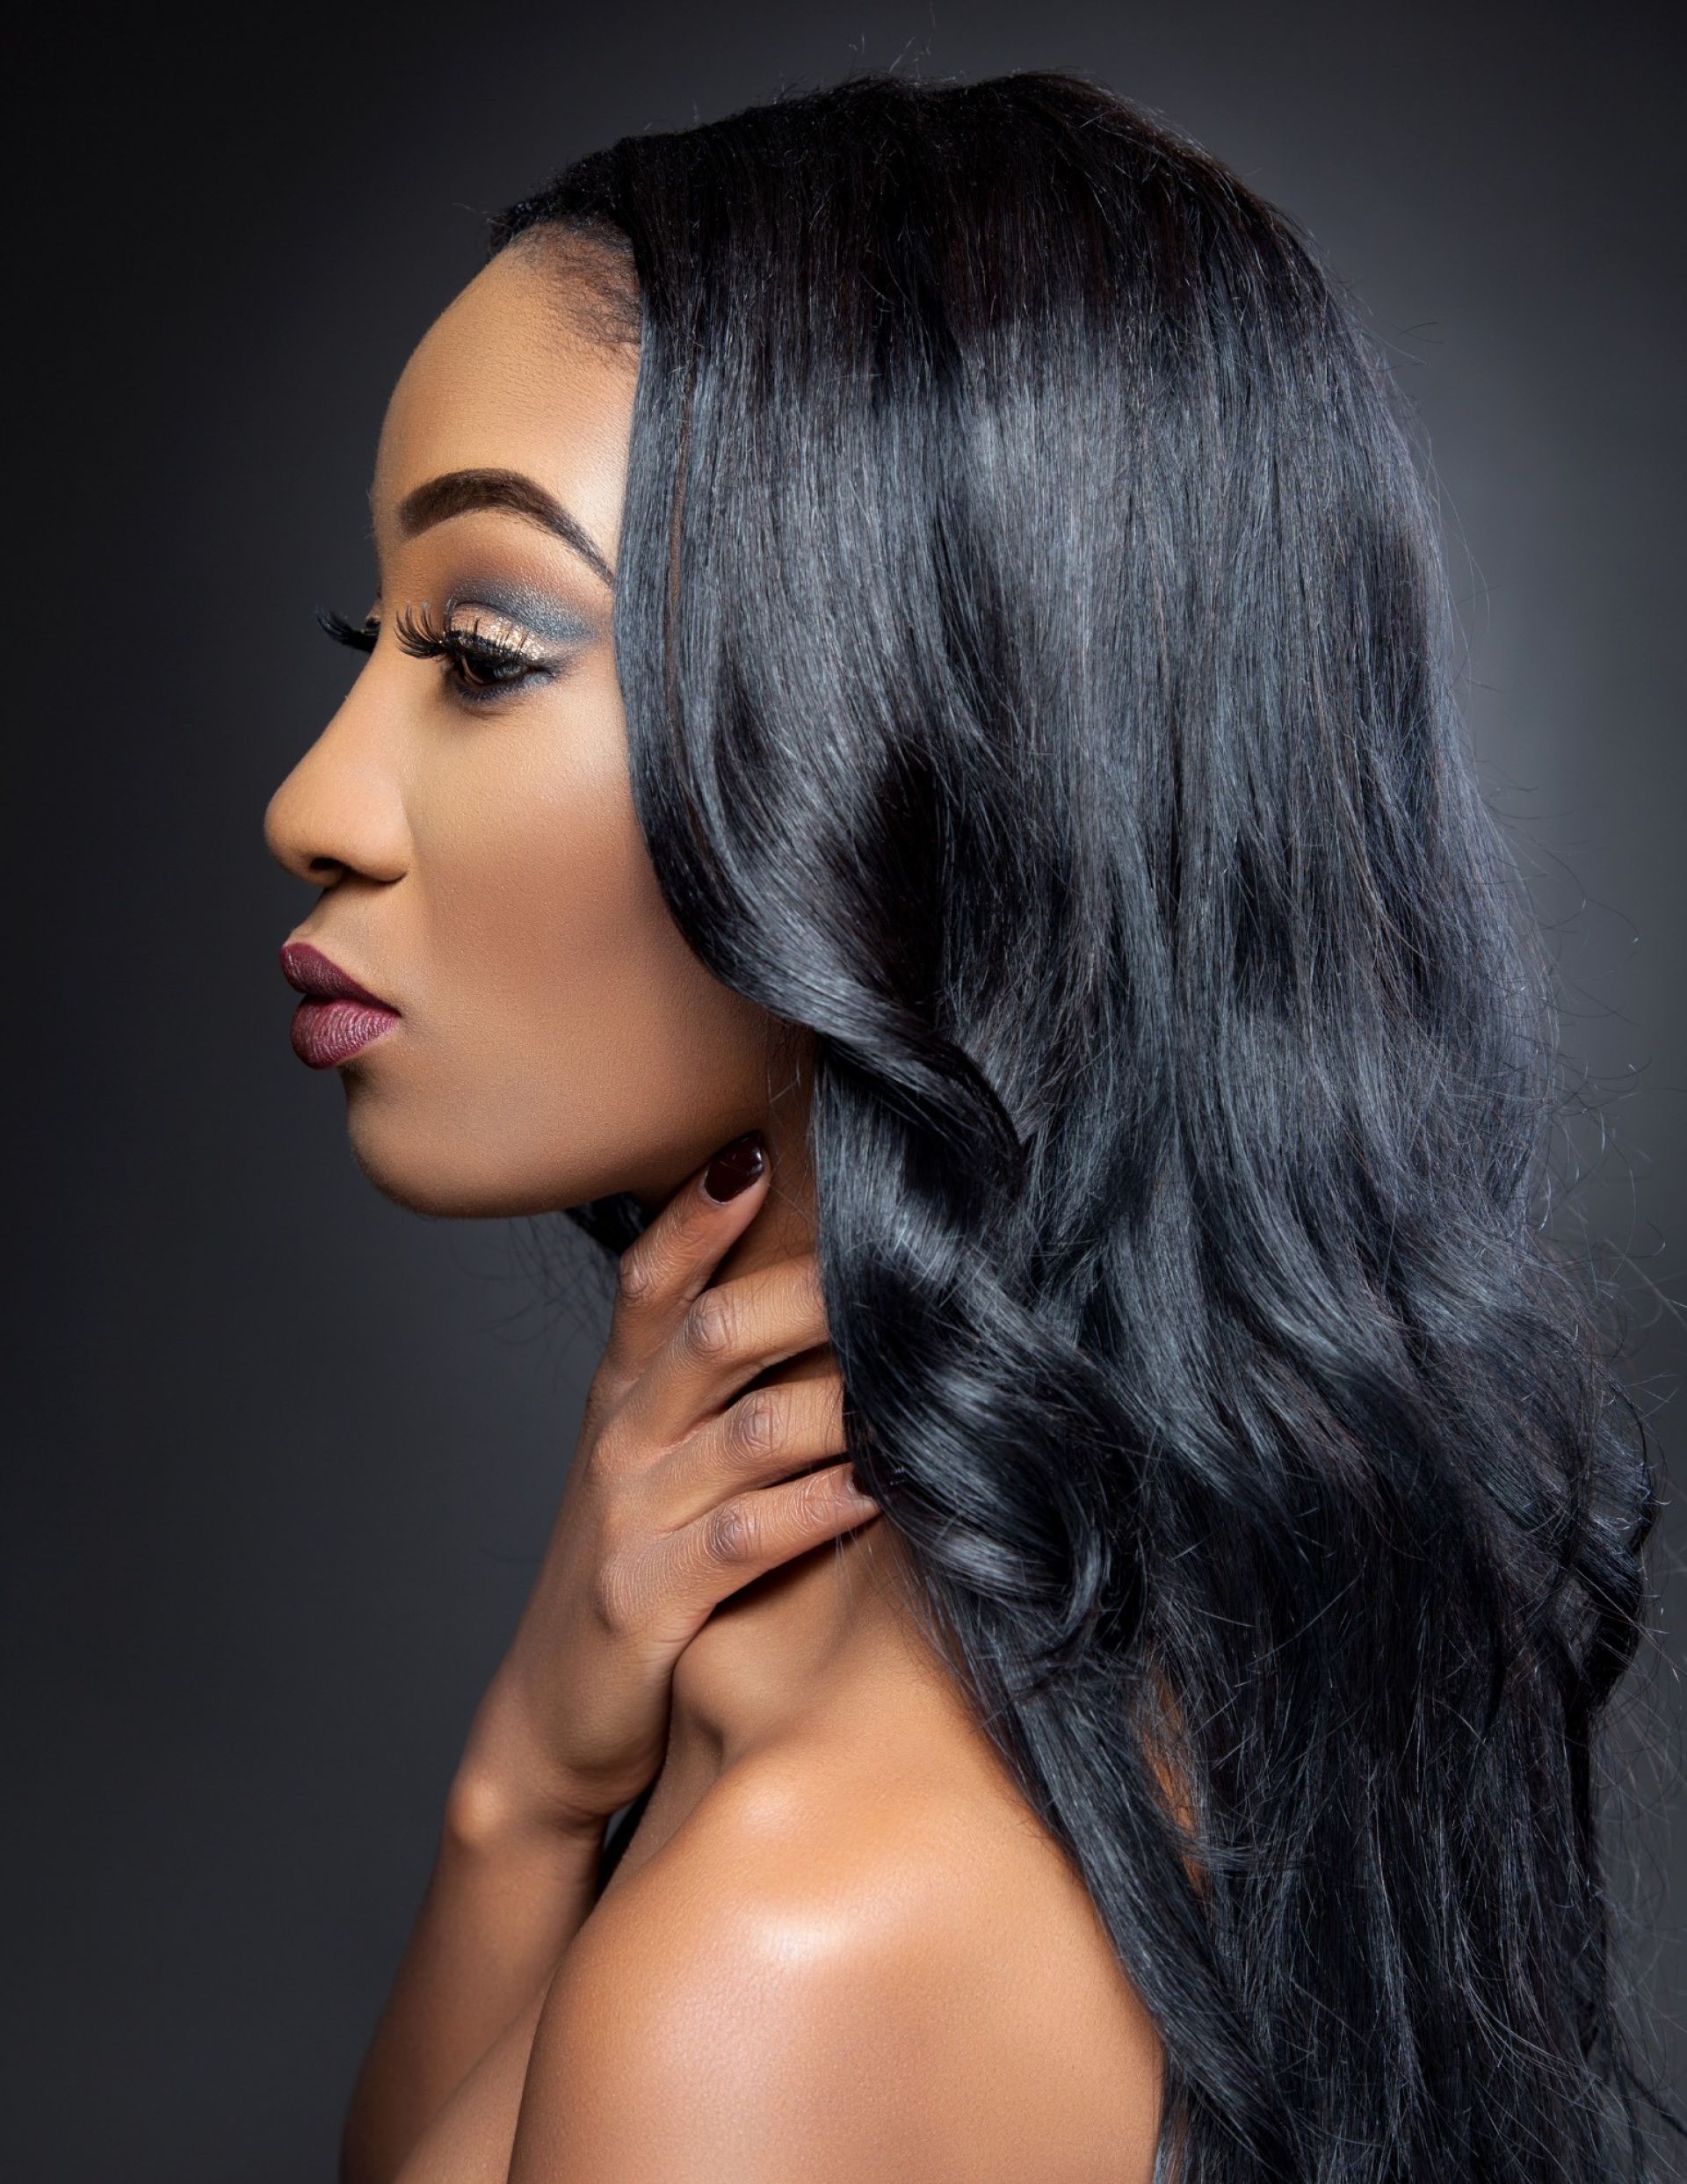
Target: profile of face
x=467, y=812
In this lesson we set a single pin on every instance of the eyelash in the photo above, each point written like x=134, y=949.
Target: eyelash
x=505, y=667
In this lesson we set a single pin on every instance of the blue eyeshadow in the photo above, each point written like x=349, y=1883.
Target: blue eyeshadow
x=533, y=610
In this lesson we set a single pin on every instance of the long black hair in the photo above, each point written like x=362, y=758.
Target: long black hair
x=1039, y=676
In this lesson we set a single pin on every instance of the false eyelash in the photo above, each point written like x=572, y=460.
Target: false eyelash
x=467, y=652
x=360, y=635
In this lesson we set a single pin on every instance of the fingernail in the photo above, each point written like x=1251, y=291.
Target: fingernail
x=734, y=1167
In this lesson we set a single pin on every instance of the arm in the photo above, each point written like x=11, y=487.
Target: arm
x=574, y=1724
x=507, y=1894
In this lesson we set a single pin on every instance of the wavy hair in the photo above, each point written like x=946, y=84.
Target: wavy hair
x=1038, y=674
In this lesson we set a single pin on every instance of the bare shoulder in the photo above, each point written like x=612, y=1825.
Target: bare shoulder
x=841, y=1980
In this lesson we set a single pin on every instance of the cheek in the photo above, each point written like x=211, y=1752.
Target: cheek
x=562, y=996
x=536, y=884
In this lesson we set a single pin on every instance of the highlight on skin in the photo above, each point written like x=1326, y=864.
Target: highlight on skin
x=1037, y=667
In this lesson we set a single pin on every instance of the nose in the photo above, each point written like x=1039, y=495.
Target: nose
x=340, y=812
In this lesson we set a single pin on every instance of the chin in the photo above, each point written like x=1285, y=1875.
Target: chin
x=449, y=1180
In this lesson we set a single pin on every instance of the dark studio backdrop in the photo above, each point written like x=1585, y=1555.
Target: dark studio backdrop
x=287, y=1453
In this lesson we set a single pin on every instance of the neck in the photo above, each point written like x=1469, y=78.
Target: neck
x=803, y=1638
x=817, y=1626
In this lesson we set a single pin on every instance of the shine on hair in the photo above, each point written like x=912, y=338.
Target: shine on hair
x=1039, y=678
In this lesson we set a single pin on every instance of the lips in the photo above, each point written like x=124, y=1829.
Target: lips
x=338, y=1017
x=311, y=972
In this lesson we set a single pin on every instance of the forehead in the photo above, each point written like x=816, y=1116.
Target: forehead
x=505, y=380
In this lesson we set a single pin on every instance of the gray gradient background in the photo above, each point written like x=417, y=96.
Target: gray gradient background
x=290, y=1452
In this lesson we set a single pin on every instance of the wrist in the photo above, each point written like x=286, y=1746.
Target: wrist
x=504, y=1786
x=488, y=1807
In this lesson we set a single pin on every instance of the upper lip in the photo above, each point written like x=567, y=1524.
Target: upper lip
x=308, y=969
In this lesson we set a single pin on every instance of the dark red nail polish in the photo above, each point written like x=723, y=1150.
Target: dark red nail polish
x=734, y=1167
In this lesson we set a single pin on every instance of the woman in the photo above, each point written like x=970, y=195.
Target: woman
x=906, y=778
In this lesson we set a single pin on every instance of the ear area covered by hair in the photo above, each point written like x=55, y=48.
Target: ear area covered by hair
x=1039, y=670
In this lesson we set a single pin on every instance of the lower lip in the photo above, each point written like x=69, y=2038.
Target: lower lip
x=325, y=1033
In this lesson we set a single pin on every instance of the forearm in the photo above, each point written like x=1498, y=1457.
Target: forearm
x=508, y=1892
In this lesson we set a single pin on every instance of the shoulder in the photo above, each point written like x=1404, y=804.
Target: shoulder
x=732, y=2011
x=832, y=1987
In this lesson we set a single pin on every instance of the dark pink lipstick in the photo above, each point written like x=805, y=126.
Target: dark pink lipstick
x=338, y=1017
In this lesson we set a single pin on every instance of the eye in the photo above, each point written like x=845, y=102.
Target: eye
x=479, y=666
x=480, y=663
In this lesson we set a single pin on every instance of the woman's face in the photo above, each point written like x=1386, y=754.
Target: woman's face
x=481, y=865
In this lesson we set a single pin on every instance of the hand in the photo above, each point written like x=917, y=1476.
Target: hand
x=680, y=1491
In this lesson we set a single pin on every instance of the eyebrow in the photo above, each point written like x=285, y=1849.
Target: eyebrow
x=458, y=491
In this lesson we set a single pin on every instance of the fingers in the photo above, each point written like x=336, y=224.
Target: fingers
x=662, y=1271
x=750, y=1533
x=766, y=1435
x=724, y=1338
